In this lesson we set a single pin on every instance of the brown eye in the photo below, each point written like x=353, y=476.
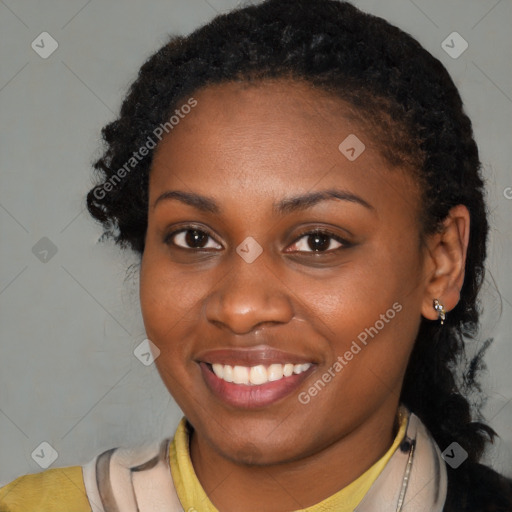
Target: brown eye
x=191, y=238
x=319, y=242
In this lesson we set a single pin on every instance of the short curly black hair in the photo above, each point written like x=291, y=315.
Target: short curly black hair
x=418, y=121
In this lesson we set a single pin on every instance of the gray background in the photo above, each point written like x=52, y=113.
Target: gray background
x=68, y=375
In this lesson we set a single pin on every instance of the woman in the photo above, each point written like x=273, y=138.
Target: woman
x=304, y=190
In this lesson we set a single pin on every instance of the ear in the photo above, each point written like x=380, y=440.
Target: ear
x=446, y=261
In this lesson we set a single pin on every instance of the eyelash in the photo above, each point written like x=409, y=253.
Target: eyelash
x=319, y=231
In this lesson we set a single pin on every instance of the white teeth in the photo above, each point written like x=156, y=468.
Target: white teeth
x=218, y=369
x=288, y=369
x=240, y=375
x=275, y=372
x=228, y=373
x=256, y=375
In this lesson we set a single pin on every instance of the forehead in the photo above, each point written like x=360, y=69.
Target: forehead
x=261, y=140
x=241, y=115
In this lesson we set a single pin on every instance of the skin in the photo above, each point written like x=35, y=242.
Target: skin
x=247, y=147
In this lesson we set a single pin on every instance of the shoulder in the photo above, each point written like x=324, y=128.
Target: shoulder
x=478, y=488
x=53, y=490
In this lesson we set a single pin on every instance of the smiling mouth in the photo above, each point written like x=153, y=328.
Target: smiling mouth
x=255, y=386
x=256, y=375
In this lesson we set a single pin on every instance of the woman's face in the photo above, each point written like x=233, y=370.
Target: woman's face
x=241, y=181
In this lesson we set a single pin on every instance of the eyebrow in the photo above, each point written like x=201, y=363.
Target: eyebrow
x=285, y=206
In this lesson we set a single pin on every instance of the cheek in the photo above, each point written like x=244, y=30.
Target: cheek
x=171, y=299
x=167, y=302
x=158, y=296
x=353, y=297
x=375, y=301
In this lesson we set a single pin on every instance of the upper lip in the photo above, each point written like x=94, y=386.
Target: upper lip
x=254, y=356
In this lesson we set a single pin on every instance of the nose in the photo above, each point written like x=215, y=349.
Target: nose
x=249, y=297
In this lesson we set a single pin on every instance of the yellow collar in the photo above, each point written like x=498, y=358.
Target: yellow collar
x=191, y=493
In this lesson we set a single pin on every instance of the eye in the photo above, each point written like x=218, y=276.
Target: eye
x=314, y=241
x=319, y=241
x=191, y=238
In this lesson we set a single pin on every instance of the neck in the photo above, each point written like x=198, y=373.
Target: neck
x=287, y=486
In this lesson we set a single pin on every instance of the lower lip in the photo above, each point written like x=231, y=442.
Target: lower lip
x=251, y=397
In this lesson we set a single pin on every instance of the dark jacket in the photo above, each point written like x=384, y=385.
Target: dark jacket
x=474, y=487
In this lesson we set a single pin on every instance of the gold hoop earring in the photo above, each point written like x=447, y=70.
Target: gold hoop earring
x=440, y=310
